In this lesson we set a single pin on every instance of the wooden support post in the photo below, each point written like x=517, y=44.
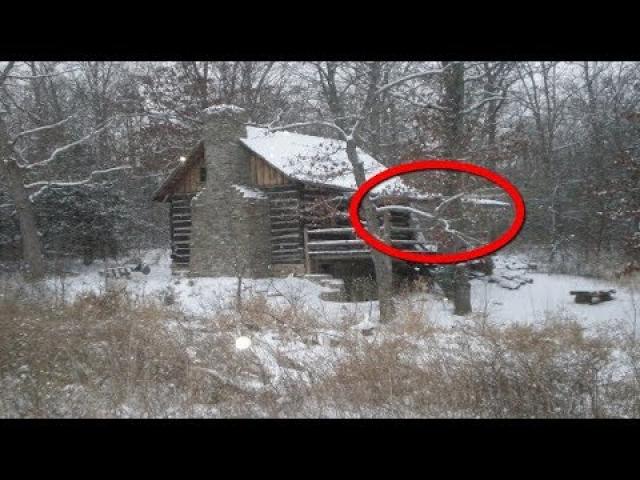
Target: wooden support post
x=307, y=258
x=386, y=223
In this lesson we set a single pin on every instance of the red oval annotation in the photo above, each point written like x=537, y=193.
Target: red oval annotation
x=438, y=258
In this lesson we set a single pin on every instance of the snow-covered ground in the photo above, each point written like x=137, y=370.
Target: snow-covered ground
x=548, y=294
x=287, y=355
x=208, y=295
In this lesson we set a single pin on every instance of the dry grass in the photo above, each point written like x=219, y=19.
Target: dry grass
x=480, y=371
x=111, y=355
x=102, y=348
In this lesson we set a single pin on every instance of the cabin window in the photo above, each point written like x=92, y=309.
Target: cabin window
x=203, y=174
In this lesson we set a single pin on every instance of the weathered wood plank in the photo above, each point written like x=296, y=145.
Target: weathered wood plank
x=287, y=236
x=341, y=253
x=280, y=246
x=277, y=231
x=284, y=218
x=327, y=243
x=285, y=222
x=331, y=230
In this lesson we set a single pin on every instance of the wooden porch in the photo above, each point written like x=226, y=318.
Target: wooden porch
x=335, y=244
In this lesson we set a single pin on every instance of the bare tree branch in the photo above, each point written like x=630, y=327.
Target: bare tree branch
x=5, y=72
x=335, y=127
x=448, y=201
x=46, y=183
x=367, y=105
x=41, y=75
x=482, y=102
x=415, y=103
x=468, y=240
x=406, y=78
x=40, y=129
x=64, y=148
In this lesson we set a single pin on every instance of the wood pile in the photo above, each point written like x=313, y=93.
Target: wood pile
x=510, y=276
x=592, y=297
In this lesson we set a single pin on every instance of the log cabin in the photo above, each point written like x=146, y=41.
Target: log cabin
x=258, y=203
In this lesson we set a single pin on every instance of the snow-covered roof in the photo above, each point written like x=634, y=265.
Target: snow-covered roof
x=305, y=158
x=317, y=160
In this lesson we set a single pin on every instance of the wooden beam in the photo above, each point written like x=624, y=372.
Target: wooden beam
x=307, y=258
x=341, y=253
x=327, y=243
x=330, y=230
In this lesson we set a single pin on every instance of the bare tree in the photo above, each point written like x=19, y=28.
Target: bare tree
x=539, y=92
x=16, y=165
x=336, y=80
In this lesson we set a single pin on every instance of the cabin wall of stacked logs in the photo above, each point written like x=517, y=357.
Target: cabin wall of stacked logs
x=180, y=211
x=180, y=225
x=329, y=235
x=304, y=215
x=301, y=215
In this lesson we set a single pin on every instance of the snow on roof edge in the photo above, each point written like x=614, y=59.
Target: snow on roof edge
x=317, y=160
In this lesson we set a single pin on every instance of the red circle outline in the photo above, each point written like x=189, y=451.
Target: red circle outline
x=437, y=258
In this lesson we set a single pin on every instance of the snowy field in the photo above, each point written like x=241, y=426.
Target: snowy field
x=531, y=303
x=309, y=357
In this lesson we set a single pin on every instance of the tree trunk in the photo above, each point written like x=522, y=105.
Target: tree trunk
x=462, y=292
x=454, y=126
x=384, y=280
x=31, y=245
x=382, y=263
x=492, y=120
x=375, y=120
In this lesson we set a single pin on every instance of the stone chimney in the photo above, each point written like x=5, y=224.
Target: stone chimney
x=223, y=126
x=230, y=232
